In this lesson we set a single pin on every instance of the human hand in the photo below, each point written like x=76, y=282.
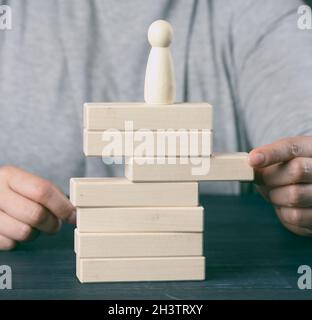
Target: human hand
x=29, y=204
x=283, y=172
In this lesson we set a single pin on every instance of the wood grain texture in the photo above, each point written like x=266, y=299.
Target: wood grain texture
x=193, y=115
x=120, y=192
x=140, y=219
x=140, y=269
x=147, y=143
x=115, y=245
x=223, y=167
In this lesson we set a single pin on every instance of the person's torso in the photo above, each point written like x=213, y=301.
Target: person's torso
x=61, y=54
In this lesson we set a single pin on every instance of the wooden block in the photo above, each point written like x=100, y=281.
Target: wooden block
x=223, y=167
x=116, y=245
x=120, y=192
x=147, y=143
x=141, y=219
x=101, y=116
x=140, y=269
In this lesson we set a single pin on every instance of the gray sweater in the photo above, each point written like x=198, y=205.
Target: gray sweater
x=246, y=57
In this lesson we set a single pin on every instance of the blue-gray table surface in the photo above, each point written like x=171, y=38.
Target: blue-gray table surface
x=249, y=255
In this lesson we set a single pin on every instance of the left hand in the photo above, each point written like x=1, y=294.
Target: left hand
x=284, y=177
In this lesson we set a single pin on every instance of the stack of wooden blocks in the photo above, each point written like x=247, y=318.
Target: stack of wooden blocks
x=148, y=225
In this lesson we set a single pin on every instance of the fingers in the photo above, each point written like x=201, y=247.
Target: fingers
x=300, y=217
x=284, y=173
x=14, y=229
x=298, y=170
x=297, y=220
x=298, y=195
x=28, y=212
x=305, y=232
x=6, y=243
x=50, y=226
x=41, y=191
x=281, y=151
x=28, y=205
x=72, y=218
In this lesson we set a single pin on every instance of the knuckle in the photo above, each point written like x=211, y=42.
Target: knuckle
x=295, y=217
x=24, y=232
x=294, y=148
x=307, y=167
x=297, y=170
x=275, y=155
x=294, y=195
x=43, y=190
x=37, y=215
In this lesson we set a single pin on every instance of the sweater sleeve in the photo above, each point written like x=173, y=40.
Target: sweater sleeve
x=273, y=70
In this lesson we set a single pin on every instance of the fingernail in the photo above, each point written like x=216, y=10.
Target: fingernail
x=72, y=218
x=256, y=159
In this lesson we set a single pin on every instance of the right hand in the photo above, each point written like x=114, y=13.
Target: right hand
x=29, y=204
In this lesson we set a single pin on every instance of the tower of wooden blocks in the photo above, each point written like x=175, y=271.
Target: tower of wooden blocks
x=148, y=225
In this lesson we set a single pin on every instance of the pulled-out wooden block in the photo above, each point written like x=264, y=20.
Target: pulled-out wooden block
x=140, y=269
x=219, y=167
x=141, y=219
x=147, y=143
x=120, y=192
x=116, y=245
x=102, y=116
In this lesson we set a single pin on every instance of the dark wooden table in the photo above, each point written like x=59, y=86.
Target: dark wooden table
x=249, y=256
